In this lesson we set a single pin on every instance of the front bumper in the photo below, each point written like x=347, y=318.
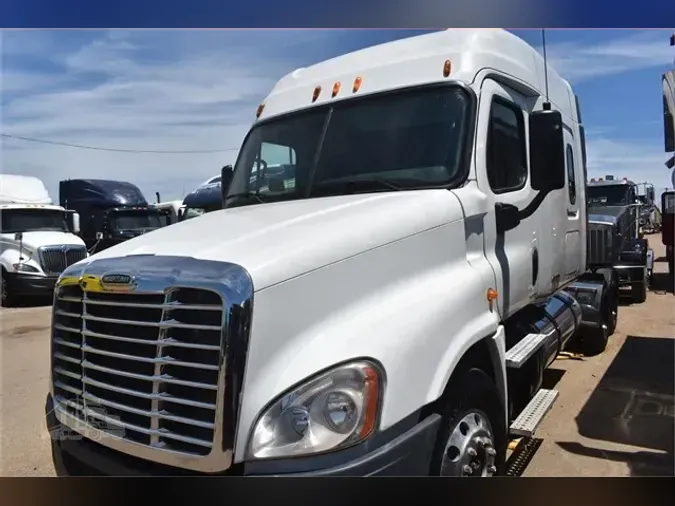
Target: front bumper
x=406, y=454
x=28, y=285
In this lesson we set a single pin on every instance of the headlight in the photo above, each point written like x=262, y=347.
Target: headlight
x=337, y=409
x=24, y=268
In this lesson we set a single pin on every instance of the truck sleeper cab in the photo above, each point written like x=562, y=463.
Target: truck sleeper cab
x=390, y=312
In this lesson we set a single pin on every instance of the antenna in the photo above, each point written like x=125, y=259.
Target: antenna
x=547, y=104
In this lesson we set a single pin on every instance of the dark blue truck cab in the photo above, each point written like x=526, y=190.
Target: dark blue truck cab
x=110, y=212
x=206, y=198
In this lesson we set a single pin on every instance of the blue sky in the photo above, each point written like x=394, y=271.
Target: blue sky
x=198, y=90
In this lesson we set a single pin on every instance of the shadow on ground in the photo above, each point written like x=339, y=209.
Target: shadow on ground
x=662, y=282
x=25, y=302
x=634, y=405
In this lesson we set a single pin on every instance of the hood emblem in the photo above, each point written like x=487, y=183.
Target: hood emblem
x=117, y=282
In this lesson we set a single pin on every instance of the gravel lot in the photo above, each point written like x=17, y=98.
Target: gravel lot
x=615, y=415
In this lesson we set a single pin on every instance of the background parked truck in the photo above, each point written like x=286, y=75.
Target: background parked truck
x=391, y=311
x=615, y=234
x=111, y=212
x=38, y=238
x=207, y=197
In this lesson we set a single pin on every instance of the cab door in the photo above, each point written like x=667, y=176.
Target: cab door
x=502, y=174
x=573, y=230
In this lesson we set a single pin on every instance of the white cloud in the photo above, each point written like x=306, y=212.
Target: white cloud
x=192, y=90
x=630, y=51
x=637, y=161
x=155, y=90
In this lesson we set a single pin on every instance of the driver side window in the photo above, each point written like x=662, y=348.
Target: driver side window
x=274, y=170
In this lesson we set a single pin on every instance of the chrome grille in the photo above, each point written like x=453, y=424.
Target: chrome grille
x=55, y=259
x=144, y=367
x=600, y=244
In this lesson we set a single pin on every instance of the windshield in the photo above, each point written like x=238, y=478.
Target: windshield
x=28, y=220
x=611, y=195
x=135, y=220
x=404, y=140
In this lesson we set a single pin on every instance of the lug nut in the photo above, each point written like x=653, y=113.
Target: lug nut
x=491, y=452
x=467, y=469
x=471, y=452
x=492, y=469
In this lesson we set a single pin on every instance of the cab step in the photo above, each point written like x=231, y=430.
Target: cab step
x=523, y=350
x=529, y=419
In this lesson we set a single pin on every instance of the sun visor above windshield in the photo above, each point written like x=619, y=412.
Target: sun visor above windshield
x=100, y=192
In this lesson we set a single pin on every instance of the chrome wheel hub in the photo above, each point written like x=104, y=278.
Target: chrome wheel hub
x=470, y=448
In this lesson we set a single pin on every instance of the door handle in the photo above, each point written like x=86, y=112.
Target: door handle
x=535, y=266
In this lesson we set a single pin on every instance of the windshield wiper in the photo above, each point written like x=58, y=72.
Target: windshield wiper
x=247, y=195
x=350, y=185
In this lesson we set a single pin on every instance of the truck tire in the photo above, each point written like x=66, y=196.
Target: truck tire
x=594, y=340
x=639, y=291
x=6, y=294
x=612, y=278
x=472, y=439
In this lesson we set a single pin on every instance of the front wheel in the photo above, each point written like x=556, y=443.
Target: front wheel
x=7, y=298
x=472, y=439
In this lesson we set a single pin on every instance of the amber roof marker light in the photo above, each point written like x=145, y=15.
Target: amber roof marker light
x=317, y=92
x=336, y=88
x=357, y=84
x=259, y=111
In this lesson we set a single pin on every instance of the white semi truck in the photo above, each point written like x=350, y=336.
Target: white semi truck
x=38, y=238
x=390, y=312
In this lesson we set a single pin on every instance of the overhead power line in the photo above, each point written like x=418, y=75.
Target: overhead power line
x=98, y=148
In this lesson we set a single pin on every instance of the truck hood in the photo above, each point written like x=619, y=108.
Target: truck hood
x=33, y=240
x=278, y=241
x=608, y=211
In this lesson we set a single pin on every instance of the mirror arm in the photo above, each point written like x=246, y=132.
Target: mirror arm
x=532, y=207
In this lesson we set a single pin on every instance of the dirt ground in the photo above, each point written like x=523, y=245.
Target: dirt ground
x=614, y=416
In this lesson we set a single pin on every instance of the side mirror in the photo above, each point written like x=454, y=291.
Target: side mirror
x=226, y=174
x=547, y=151
x=74, y=223
x=99, y=236
x=507, y=217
